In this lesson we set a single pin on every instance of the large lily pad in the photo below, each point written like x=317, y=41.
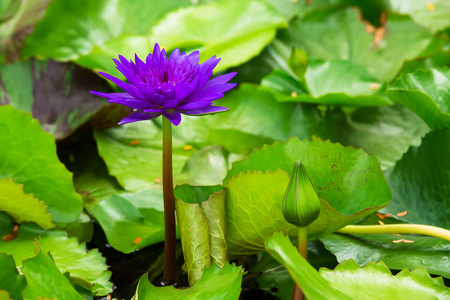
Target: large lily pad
x=419, y=181
x=396, y=126
x=427, y=93
x=18, y=18
x=343, y=36
x=431, y=14
x=349, y=281
x=349, y=183
x=375, y=281
x=215, y=284
x=56, y=94
x=121, y=27
x=236, y=30
x=427, y=252
x=255, y=118
x=28, y=156
x=331, y=82
x=133, y=154
x=23, y=207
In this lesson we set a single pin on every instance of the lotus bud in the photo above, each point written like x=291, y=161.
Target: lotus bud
x=301, y=205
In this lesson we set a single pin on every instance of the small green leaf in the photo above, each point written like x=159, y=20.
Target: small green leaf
x=10, y=279
x=215, y=284
x=131, y=221
x=301, y=205
x=44, y=279
x=202, y=223
x=236, y=30
x=23, y=207
x=28, y=156
x=194, y=232
x=427, y=93
x=311, y=283
x=375, y=281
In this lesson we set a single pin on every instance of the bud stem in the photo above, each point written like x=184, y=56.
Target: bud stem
x=169, y=206
x=302, y=247
x=397, y=228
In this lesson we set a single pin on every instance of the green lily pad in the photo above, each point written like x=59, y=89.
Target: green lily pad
x=311, y=283
x=427, y=93
x=23, y=207
x=56, y=95
x=350, y=281
x=28, y=156
x=375, y=281
x=396, y=126
x=258, y=119
x=427, y=252
x=10, y=279
x=67, y=253
x=133, y=154
x=207, y=166
x=297, y=8
x=236, y=30
x=202, y=228
x=343, y=36
x=18, y=19
x=122, y=27
x=332, y=82
x=349, y=183
x=430, y=14
x=131, y=221
x=419, y=182
x=44, y=279
x=215, y=284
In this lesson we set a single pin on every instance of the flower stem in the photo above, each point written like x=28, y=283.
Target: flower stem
x=169, y=205
x=397, y=228
x=302, y=246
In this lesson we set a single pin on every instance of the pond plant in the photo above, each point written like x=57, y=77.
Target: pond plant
x=326, y=176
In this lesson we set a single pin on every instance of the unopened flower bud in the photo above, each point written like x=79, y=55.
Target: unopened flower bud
x=301, y=205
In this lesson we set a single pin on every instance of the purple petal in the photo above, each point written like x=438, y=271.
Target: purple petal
x=215, y=89
x=112, y=95
x=168, y=104
x=174, y=55
x=139, y=116
x=194, y=105
x=220, y=79
x=173, y=115
x=133, y=91
x=137, y=104
x=204, y=111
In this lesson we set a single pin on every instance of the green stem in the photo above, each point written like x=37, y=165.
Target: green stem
x=397, y=228
x=169, y=205
x=302, y=247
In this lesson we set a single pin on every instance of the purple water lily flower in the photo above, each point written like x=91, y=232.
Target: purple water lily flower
x=168, y=86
